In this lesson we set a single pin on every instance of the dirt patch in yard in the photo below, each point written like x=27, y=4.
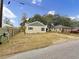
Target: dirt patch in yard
x=21, y=42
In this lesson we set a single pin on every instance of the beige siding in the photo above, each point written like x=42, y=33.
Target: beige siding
x=56, y=29
x=36, y=29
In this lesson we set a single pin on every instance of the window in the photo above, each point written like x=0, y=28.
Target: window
x=30, y=28
x=42, y=29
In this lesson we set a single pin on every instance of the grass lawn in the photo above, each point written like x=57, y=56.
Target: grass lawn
x=21, y=42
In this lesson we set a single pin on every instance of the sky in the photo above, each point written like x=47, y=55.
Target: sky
x=15, y=8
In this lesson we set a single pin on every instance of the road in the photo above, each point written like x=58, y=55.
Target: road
x=68, y=50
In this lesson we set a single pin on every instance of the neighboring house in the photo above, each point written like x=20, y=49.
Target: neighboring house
x=75, y=30
x=61, y=28
x=36, y=27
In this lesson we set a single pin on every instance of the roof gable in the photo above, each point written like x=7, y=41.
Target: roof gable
x=36, y=23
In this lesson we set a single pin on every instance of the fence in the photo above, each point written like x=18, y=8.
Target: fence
x=7, y=33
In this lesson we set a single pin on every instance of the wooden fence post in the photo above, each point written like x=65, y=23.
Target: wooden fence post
x=1, y=10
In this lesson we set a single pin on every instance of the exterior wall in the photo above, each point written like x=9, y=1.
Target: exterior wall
x=60, y=29
x=67, y=30
x=57, y=29
x=36, y=29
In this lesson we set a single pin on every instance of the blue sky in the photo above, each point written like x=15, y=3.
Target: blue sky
x=31, y=7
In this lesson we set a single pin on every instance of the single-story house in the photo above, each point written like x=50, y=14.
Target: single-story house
x=75, y=30
x=35, y=27
x=61, y=28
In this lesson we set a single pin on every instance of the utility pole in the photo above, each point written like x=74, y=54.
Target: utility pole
x=1, y=9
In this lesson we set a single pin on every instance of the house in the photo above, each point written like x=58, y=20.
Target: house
x=35, y=27
x=61, y=28
x=75, y=30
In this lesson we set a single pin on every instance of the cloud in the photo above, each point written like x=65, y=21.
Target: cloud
x=77, y=16
x=72, y=18
x=8, y=13
x=36, y=2
x=12, y=21
x=52, y=12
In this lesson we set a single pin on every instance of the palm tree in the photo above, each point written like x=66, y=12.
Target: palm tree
x=23, y=27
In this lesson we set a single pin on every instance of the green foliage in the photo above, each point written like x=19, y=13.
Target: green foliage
x=22, y=24
x=75, y=23
x=63, y=21
x=37, y=17
x=55, y=19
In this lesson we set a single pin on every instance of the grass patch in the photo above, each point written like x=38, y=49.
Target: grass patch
x=21, y=42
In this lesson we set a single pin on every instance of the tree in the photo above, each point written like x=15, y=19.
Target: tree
x=75, y=23
x=54, y=19
x=63, y=21
x=22, y=24
x=37, y=17
x=48, y=18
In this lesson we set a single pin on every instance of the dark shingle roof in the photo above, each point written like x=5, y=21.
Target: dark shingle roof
x=76, y=27
x=61, y=26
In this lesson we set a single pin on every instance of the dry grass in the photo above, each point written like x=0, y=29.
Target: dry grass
x=27, y=42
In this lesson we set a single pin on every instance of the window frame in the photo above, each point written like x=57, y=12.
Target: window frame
x=30, y=28
x=42, y=29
